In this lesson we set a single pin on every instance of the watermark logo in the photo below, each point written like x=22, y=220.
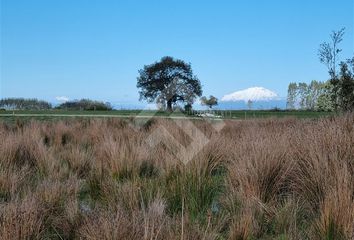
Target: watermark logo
x=198, y=140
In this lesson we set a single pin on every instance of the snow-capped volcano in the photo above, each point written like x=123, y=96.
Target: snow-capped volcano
x=254, y=94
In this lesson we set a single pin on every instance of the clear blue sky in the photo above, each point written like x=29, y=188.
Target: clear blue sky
x=93, y=49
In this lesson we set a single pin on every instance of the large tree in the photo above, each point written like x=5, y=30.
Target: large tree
x=167, y=82
x=292, y=94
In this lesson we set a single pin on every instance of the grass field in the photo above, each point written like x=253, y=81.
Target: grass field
x=274, y=178
x=11, y=116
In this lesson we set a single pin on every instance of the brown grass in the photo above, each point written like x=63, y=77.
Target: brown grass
x=108, y=179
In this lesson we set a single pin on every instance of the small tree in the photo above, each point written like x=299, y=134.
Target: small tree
x=249, y=104
x=188, y=108
x=210, y=102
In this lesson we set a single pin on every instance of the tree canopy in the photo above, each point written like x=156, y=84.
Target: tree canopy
x=167, y=82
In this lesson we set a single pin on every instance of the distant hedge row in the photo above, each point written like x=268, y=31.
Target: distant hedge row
x=85, y=104
x=35, y=104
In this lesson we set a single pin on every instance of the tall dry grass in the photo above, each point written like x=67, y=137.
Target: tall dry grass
x=103, y=179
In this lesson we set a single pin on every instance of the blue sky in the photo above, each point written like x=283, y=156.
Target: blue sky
x=94, y=49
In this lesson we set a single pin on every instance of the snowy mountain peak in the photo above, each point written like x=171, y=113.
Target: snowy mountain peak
x=253, y=94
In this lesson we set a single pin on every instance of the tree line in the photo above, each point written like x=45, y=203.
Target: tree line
x=24, y=104
x=35, y=104
x=335, y=94
x=312, y=96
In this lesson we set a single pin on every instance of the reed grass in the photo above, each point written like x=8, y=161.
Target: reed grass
x=103, y=179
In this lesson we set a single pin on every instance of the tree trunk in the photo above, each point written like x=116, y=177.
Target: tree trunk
x=169, y=105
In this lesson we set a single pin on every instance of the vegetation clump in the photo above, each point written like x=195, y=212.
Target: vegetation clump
x=85, y=104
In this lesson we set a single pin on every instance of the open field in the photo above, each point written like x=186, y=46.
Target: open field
x=11, y=116
x=88, y=178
